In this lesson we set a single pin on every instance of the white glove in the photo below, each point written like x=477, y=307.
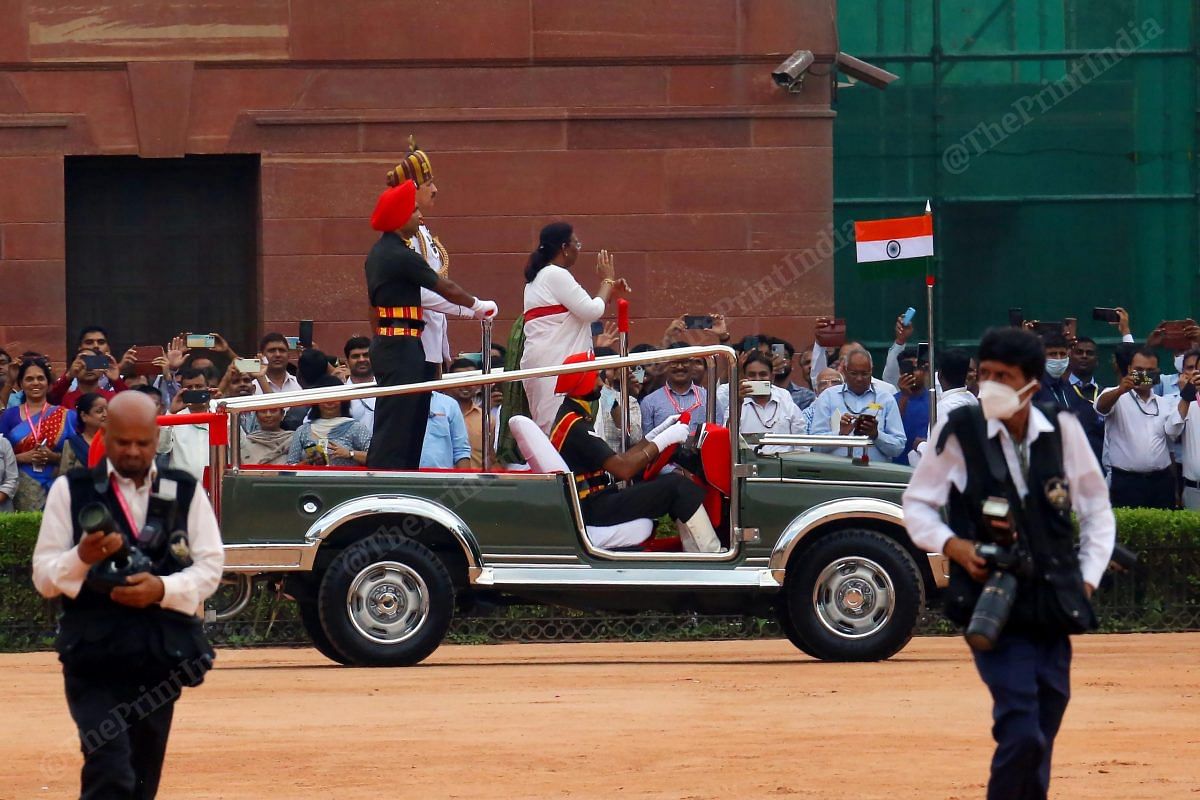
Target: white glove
x=662, y=426
x=675, y=434
x=483, y=309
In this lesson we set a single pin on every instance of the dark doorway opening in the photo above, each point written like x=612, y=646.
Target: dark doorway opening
x=157, y=247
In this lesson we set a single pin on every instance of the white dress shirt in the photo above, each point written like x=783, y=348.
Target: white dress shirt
x=1191, y=440
x=1137, y=432
x=778, y=415
x=58, y=570
x=929, y=490
x=289, y=384
x=187, y=446
x=363, y=410
x=947, y=402
x=435, y=339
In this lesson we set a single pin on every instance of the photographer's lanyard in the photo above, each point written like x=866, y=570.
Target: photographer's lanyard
x=121, y=501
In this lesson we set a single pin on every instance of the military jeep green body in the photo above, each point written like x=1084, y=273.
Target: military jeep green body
x=380, y=561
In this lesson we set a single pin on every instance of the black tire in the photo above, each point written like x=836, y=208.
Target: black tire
x=310, y=616
x=401, y=606
x=868, y=602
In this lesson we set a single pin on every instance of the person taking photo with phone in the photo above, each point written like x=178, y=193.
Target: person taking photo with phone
x=186, y=446
x=912, y=400
x=1139, y=427
x=88, y=370
x=765, y=407
x=857, y=409
x=1189, y=412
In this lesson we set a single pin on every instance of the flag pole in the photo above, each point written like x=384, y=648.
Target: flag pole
x=929, y=283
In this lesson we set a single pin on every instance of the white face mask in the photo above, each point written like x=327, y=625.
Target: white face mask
x=1057, y=366
x=1179, y=363
x=1000, y=401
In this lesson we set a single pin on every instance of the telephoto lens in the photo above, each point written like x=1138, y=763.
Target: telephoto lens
x=992, y=610
x=96, y=517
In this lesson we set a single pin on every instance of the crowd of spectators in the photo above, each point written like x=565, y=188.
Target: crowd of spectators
x=1138, y=428
x=51, y=424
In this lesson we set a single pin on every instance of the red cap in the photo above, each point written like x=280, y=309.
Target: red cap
x=577, y=384
x=395, y=207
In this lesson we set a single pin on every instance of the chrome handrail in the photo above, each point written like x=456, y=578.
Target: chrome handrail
x=814, y=440
x=361, y=391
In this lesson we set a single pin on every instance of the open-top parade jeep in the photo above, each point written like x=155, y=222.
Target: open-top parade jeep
x=380, y=561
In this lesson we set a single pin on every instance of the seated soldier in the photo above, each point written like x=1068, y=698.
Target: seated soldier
x=597, y=467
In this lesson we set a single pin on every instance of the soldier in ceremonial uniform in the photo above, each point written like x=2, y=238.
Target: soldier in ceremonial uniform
x=395, y=275
x=596, y=465
x=130, y=635
x=434, y=308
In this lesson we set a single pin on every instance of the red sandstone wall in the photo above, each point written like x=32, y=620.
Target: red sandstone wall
x=652, y=125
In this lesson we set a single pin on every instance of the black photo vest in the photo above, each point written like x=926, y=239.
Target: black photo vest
x=1052, y=602
x=98, y=636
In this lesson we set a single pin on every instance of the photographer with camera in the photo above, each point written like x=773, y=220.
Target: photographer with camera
x=134, y=553
x=1010, y=475
x=1139, y=427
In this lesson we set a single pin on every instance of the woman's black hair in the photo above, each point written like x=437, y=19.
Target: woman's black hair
x=40, y=362
x=550, y=243
x=314, y=411
x=1016, y=347
x=87, y=402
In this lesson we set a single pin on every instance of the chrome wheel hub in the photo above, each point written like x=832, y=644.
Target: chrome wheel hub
x=388, y=602
x=854, y=597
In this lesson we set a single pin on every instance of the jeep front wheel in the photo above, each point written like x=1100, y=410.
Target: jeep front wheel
x=855, y=595
x=386, y=601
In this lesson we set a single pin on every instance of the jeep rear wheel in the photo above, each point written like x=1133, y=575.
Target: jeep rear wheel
x=386, y=601
x=855, y=595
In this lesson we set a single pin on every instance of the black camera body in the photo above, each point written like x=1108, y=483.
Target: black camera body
x=138, y=556
x=1010, y=563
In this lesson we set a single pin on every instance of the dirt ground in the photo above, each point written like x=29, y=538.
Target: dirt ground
x=656, y=720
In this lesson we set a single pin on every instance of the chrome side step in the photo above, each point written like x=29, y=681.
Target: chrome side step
x=617, y=577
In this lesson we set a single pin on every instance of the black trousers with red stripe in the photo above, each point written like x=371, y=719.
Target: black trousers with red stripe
x=399, y=421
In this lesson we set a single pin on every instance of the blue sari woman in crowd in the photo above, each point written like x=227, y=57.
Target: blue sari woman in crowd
x=37, y=430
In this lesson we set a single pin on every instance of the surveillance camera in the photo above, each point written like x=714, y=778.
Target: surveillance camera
x=790, y=74
x=867, y=73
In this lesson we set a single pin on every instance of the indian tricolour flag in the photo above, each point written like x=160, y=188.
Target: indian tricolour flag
x=894, y=239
